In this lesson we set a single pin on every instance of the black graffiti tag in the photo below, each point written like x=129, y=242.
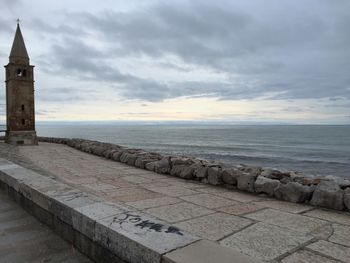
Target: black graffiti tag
x=145, y=224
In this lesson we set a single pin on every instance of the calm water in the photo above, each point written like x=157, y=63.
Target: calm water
x=323, y=150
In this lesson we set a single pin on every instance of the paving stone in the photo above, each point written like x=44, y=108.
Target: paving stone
x=178, y=212
x=137, y=179
x=283, y=219
x=214, y=226
x=138, y=238
x=160, y=201
x=323, y=232
x=84, y=218
x=332, y=216
x=239, y=196
x=341, y=235
x=205, y=251
x=211, y=189
x=265, y=241
x=304, y=256
x=285, y=206
x=240, y=209
x=332, y=250
x=118, y=183
x=208, y=200
x=174, y=191
x=101, y=186
x=135, y=197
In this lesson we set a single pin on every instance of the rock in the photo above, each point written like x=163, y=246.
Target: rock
x=294, y=192
x=343, y=183
x=200, y=171
x=109, y=153
x=116, y=155
x=150, y=166
x=141, y=161
x=181, y=161
x=230, y=175
x=312, y=180
x=98, y=150
x=266, y=185
x=183, y=171
x=125, y=157
x=255, y=171
x=162, y=166
x=246, y=181
x=328, y=194
x=274, y=174
x=215, y=176
x=347, y=198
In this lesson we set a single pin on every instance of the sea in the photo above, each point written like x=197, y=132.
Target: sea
x=309, y=149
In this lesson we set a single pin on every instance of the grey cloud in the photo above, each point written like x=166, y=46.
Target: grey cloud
x=296, y=50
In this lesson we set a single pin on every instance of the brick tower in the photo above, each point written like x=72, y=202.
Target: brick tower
x=20, y=116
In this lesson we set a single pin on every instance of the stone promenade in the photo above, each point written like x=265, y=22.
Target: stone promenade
x=270, y=230
x=24, y=239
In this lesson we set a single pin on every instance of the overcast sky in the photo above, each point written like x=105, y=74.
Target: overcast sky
x=255, y=60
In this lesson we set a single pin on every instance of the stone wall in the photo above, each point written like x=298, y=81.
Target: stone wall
x=322, y=191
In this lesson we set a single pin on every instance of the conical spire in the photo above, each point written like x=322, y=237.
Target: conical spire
x=19, y=52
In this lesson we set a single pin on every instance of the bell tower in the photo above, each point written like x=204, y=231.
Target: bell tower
x=20, y=116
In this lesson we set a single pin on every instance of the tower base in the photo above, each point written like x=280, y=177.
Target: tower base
x=21, y=138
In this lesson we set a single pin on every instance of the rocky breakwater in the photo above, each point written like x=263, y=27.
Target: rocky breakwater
x=322, y=191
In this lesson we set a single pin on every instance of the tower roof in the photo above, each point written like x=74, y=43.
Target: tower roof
x=19, y=52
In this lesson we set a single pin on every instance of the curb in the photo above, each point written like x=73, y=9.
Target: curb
x=104, y=231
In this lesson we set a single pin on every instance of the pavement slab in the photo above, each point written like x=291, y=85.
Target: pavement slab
x=285, y=206
x=178, y=212
x=331, y=216
x=265, y=241
x=304, y=256
x=294, y=222
x=330, y=249
x=214, y=226
x=240, y=209
x=155, y=202
x=341, y=235
x=209, y=201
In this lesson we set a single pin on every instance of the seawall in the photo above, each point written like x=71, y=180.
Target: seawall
x=320, y=191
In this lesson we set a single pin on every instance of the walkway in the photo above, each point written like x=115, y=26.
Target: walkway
x=258, y=226
x=24, y=239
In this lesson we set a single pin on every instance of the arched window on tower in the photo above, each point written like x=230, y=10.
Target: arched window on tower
x=22, y=107
x=23, y=121
x=21, y=73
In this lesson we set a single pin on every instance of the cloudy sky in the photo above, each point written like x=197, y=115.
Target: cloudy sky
x=222, y=61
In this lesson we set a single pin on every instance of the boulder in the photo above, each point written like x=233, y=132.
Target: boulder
x=245, y=181
x=181, y=161
x=274, y=174
x=328, y=194
x=150, y=166
x=200, y=171
x=266, y=185
x=141, y=161
x=109, y=153
x=116, y=155
x=347, y=198
x=230, y=175
x=183, y=171
x=294, y=192
x=255, y=171
x=162, y=166
x=215, y=176
x=312, y=180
